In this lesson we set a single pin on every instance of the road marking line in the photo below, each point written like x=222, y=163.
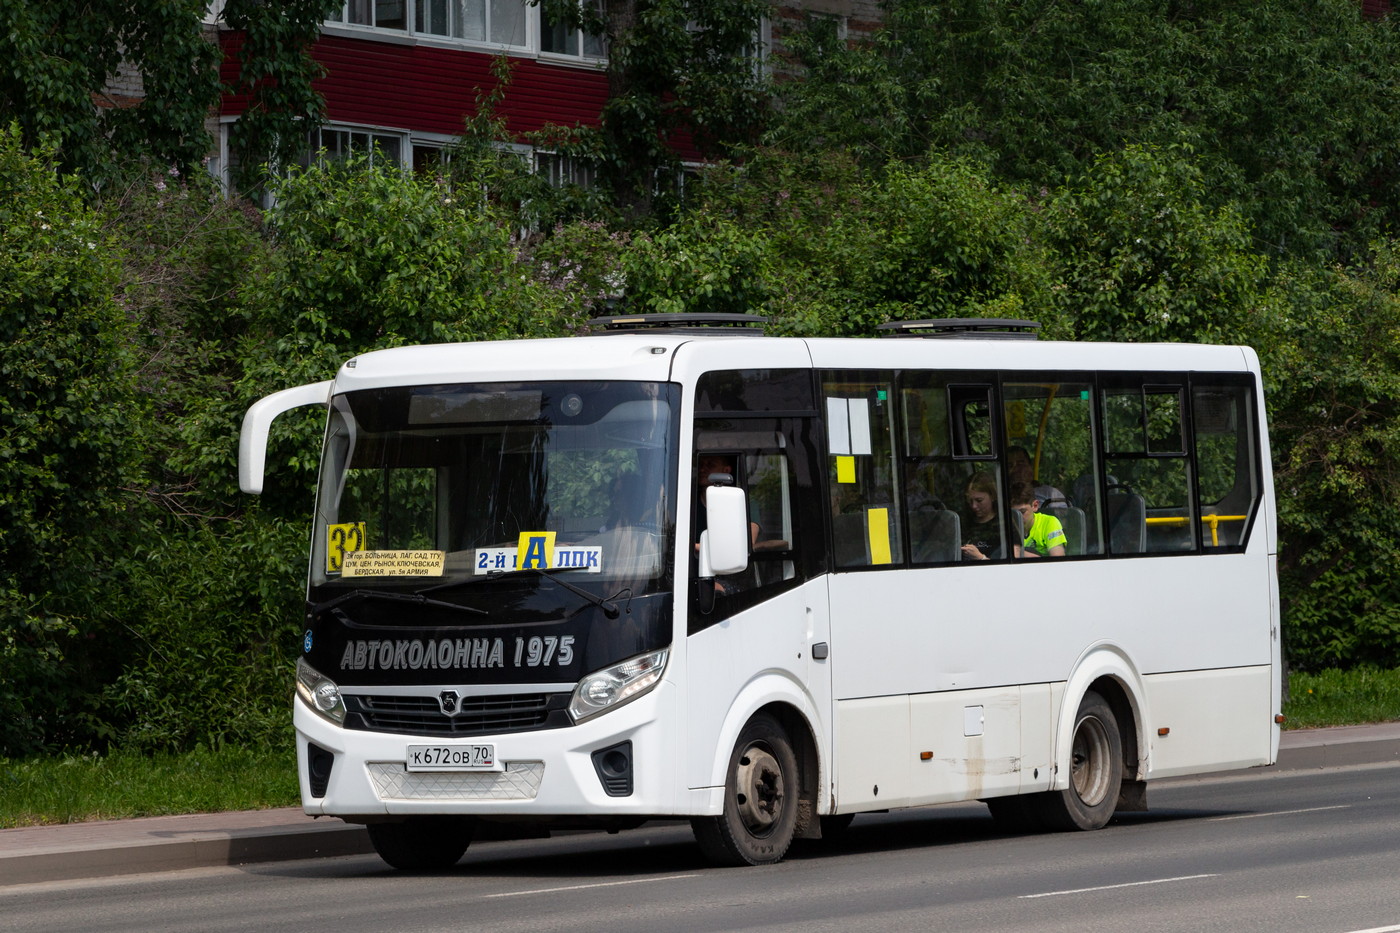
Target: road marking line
x=1251, y=816
x=1111, y=887
x=1394, y=929
x=584, y=887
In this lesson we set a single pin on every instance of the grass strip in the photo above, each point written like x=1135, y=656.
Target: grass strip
x=1342, y=698
x=121, y=784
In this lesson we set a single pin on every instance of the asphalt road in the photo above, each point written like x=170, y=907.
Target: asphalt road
x=1312, y=850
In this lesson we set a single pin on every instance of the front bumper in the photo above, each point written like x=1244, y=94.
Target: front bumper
x=547, y=773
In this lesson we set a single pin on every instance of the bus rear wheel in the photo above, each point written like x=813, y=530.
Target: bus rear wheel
x=423, y=843
x=1095, y=775
x=760, y=800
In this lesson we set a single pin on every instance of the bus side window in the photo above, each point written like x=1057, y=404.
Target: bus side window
x=1227, y=461
x=1049, y=436
x=866, y=524
x=770, y=460
x=948, y=447
x=1146, y=505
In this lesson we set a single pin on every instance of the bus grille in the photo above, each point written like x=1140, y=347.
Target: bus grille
x=479, y=715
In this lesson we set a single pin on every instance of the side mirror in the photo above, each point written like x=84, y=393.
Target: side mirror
x=252, y=441
x=724, y=546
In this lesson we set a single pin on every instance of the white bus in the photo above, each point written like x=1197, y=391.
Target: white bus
x=680, y=569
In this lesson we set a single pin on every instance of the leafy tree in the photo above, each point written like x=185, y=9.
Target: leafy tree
x=847, y=251
x=1287, y=105
x=677, y=70
x=62, y=57
x=66, y=446
x=275, y=73
x=59, y=56
x=1144, y=258
x=1331, y=353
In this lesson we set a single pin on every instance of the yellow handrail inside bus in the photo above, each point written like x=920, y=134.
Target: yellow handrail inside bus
x=1212, y=520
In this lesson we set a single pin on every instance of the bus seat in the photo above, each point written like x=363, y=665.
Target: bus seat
x=1126, y=512
x=935, y=536
x=1073, y=520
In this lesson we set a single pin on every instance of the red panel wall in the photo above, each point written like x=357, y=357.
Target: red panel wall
x=430, y=89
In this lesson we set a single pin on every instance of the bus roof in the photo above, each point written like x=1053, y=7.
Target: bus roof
x=663, y=357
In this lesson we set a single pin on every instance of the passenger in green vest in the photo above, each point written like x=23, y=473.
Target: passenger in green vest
x=1044, y=535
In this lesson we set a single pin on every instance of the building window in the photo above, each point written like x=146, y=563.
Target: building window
x=381, y=14
x=562, y=170
x=558, y=39
x=493, y=22
x=341, y=142
x=500, y=22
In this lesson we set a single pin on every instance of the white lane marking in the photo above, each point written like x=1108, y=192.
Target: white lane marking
x=1252, y=816
x=1111, y=887
x=1394, y=929
x=585, y=887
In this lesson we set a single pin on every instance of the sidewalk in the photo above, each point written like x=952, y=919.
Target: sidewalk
x=164, y=843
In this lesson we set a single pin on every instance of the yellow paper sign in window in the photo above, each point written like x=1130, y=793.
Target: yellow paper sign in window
x=341, y=540
x=878, y=521
x=845, y=469
x=535, y=549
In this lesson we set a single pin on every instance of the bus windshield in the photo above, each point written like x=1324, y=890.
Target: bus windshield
x=426, y=487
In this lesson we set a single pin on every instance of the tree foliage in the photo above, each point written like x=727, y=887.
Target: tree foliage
x=1143, y=257
x=677, y=72
x=1287, y=105
x=67, y=419
x=1332, y=356
x=1120, y=170
x=59, y=56
x=111, y=83
x=275, y=74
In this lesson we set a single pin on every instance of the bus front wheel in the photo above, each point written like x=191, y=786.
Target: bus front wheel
x=423, y=843
x=760, y=800
x=1096, y=772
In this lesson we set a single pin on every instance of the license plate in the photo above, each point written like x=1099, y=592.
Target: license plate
x=452, y=758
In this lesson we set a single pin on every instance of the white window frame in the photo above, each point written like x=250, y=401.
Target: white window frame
x=531, y=40
x=586, y=48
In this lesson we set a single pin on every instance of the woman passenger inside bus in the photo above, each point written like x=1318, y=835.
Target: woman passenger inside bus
x=982, y=530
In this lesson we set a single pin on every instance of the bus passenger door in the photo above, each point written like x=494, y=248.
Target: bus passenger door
x=760, y=636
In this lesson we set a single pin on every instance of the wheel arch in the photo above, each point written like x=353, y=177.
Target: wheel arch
x=790, y=707
x=1108, y=671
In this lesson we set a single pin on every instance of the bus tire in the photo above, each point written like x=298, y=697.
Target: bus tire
x=760, y=800
x=1095, y=771
x=423, y=843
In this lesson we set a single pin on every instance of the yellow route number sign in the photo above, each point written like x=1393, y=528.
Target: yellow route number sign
x=341, y=540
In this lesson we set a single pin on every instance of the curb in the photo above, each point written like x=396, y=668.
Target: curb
x=38, y=854
x=69, y=852
x=1339, y=746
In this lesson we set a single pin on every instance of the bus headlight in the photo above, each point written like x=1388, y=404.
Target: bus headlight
x=320, y=693
x=613, y=686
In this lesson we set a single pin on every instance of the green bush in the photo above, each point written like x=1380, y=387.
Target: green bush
x=68, y=447
x=214, y=622
x=1331, y=356
x=1143, y=257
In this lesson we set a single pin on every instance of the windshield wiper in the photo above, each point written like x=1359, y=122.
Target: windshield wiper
x=607, y=605
x=391, y=596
